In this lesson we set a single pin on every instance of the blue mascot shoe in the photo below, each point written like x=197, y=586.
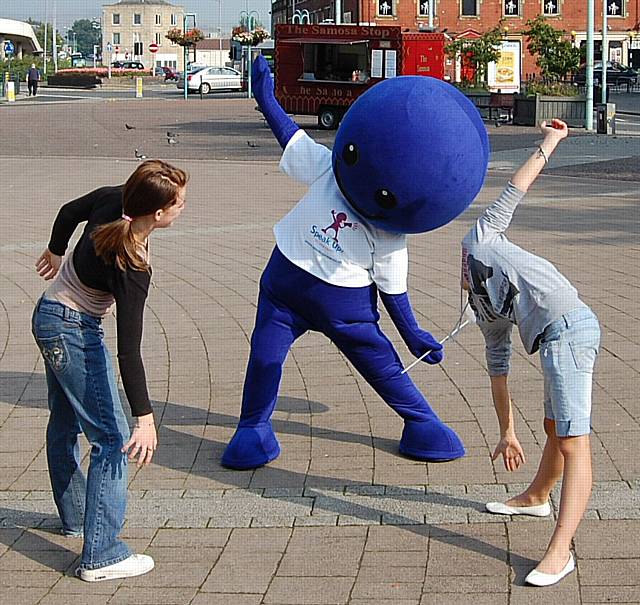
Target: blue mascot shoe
x=431, y=441
x=251, y=447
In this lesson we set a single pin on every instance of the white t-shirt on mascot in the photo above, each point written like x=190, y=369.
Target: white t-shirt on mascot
x=324, y=236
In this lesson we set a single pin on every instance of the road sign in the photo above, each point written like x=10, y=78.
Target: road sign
x=109, y=47
x=153, y=47
x=9, y=48
x=117, y=49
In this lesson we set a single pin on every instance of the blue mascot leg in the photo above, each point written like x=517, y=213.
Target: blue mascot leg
x=254, y=442
x=425, y=436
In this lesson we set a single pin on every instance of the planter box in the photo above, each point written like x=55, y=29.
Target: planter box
x=74, y=80
x=481, y=100
x=531, y=111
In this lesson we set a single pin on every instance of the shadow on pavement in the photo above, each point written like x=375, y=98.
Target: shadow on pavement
x=13, y=384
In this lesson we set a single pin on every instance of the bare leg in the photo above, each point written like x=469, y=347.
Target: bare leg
x=576, y=489
x=549, y=471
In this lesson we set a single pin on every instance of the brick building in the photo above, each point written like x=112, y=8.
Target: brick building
x=465, y=17
x=131, y=25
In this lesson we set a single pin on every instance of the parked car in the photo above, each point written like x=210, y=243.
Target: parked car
x=127, y=65
x=170, y=74
x=212, y=78
x=617, y=73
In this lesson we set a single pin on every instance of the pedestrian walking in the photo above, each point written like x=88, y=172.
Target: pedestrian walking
x=509, y=286
x=33, y=77
x=110, y=264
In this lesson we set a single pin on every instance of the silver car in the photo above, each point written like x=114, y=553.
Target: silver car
x=211, y=78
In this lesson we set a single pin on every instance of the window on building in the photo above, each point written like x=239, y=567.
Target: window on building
x=423, y=8
x=174, y=20
x=137, y=18
x=115, y=19
x=511, y=8
x=615, y=8
x=158, y=19
x=550, y=8
x=469, y=8
x=386, y=8
x=116, y=37
x=159, y=37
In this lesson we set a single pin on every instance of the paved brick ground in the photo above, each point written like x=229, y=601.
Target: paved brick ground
x=340, y=517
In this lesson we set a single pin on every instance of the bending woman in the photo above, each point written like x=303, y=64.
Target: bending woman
x=110, y=264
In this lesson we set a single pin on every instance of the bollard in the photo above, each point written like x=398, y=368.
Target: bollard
x=138, y=88
x=11, y=91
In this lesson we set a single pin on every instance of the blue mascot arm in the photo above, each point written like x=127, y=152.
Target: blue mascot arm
x=281, y=124
x=417, y=340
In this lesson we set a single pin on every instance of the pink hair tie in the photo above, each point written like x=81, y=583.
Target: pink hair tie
x=127, y=218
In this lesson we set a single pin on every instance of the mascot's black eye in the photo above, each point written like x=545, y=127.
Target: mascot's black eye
x=385, y=199
x=350, y=154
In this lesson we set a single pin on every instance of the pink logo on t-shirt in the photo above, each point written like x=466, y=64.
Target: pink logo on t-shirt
x=339, y=222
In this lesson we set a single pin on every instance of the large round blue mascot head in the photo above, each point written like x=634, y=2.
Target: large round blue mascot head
x=411, y=154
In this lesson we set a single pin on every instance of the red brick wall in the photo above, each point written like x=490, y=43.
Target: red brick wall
x=447, y=15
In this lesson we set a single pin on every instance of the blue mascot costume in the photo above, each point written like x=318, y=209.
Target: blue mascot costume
x=410, y=155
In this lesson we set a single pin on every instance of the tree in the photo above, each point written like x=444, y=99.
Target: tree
x=555, y=54
x=38, y=28
x=478, y=52
x=87, y=35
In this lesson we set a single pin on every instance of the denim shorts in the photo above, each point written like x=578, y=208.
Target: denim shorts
x=568, y=351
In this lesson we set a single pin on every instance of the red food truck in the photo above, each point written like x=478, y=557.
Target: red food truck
x=322, y=69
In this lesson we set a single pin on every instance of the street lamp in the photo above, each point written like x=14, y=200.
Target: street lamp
x=301, y=16
x=220, y=31
x=605, y=53
x=186, y=48
x=250, y=19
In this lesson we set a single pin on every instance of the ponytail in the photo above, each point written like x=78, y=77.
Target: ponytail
x=153, y=186
x=114, y=243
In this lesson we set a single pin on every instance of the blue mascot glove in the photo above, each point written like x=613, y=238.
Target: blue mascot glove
x=418, y=341
x=282, y=126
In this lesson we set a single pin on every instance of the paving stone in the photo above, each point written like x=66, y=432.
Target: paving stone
x=609, y=572
x=309, y=591
x=316, y=520
x=340, y=486
x=75, y=599
x=227, y=599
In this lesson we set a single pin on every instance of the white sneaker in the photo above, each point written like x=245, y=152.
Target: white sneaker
x=135, y=565
x=500, y=508
x=538, y=578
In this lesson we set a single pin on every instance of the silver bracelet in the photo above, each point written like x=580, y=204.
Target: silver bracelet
x=542, y=154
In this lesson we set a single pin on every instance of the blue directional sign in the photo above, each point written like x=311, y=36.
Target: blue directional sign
x=9, y=48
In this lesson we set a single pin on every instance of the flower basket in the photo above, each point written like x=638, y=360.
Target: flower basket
x=188, y=38
x=250, y=38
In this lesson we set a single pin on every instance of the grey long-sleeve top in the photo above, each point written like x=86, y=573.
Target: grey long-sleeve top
x=508, y=285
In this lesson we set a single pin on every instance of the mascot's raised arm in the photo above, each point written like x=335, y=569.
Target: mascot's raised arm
x=409, y=156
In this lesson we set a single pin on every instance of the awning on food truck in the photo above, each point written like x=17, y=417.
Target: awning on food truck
x=321, y=41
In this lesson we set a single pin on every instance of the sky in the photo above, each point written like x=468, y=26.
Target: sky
x=69, y=10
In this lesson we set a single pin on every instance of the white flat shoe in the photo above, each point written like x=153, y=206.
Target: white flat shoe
x=500, y=508
x=537, y=578
x=135, y=565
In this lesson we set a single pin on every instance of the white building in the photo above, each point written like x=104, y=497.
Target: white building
x=213, y=52
x=22, y=36
x=130, y=26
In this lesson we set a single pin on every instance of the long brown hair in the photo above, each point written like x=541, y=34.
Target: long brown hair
x=154, y=185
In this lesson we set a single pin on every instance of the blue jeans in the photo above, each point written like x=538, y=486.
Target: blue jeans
x=568, y=351
x=83, y=397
